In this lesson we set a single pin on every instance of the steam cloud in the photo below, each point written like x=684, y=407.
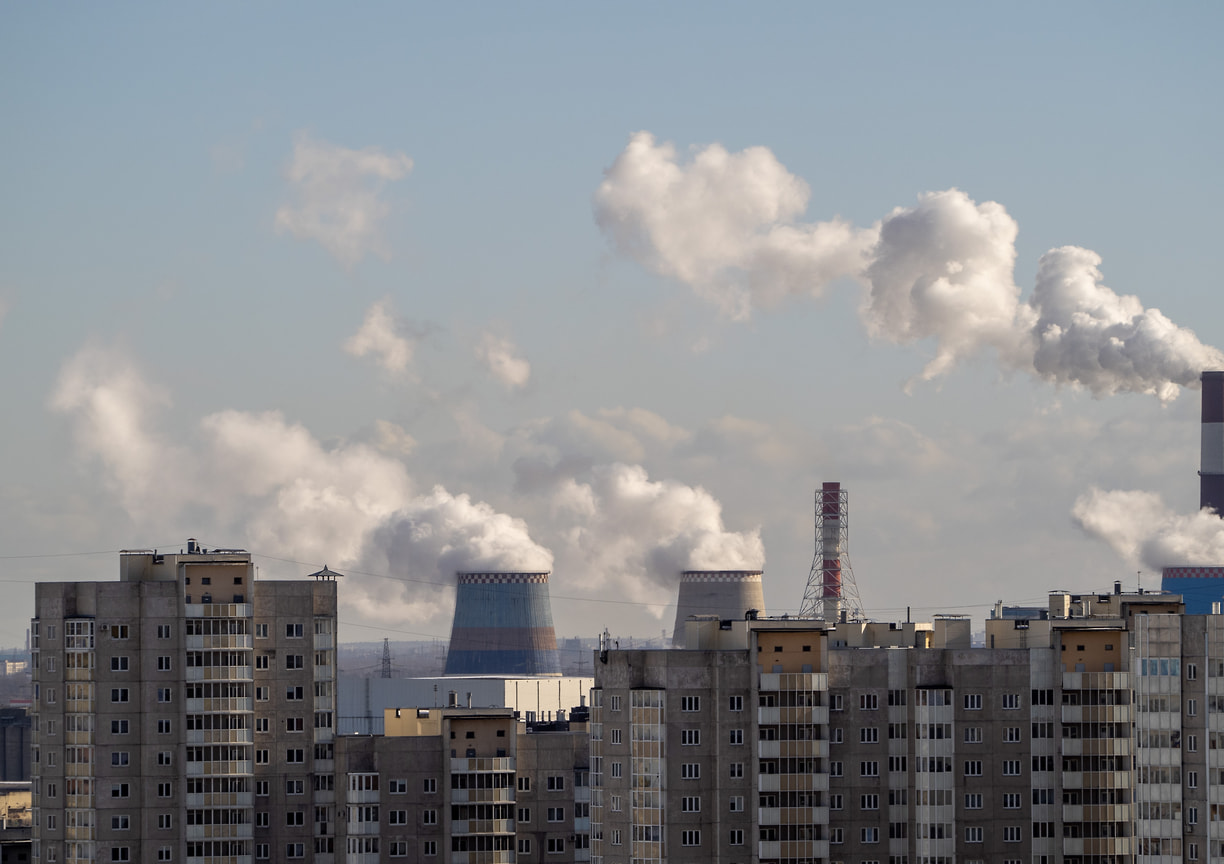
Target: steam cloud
x=261, y=478
x=382, y=337
x=338, y=196
x=940, y=271
x=501, y=357
x=1143, y=530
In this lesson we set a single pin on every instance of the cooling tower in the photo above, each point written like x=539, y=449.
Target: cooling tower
x=503, y=626
x=725, y=593
x=1211, y=467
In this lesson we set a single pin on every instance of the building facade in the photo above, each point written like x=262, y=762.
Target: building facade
x=1088, y=733
x=184, y=713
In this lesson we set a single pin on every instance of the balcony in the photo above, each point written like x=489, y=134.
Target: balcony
x=219, y=673
x=769, y=849
x=219, y=832
x=482, y=796
x=220, y=736
x=217, y=610
x=483, y=826
x=324, y=673
x=238, y=641
x=769, y=815
x=221, y=705
x=769, y=749
x=324, y=641
x=222, y=769
x=196, y=800
x=501, y=856
x=468, y=766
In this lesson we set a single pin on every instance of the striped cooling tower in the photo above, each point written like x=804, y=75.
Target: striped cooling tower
x=725, y=593
x=1211, y=468
x=1202, y=588
x=503, y=626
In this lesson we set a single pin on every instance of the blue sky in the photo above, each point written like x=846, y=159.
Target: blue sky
x=153, y=313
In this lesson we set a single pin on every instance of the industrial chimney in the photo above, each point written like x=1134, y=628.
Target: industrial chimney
x=503, y=626
x=1211, y=469
x=725, y=593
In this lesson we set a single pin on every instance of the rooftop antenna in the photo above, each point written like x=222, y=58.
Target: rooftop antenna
x=831, y=580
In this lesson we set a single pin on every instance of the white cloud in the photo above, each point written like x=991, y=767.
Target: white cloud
x=338, y=196
x=1143, y=530
x=503, y=360
x=383, y=338
x=941, y=271
x=724, y=224
x=393, y=438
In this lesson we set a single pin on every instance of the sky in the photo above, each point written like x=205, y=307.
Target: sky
x=609, y=290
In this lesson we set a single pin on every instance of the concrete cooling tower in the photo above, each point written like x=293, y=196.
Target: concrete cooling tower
x=725, y=593
x=503, y=626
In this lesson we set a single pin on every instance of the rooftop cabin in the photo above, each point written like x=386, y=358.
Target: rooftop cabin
x=1078, y=614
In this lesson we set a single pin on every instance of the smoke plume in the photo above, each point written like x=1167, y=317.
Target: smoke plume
x=940, y=272
x=1145, y=532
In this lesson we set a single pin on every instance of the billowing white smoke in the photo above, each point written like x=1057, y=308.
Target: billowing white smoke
x=941, y=271
x=638, y=533
x=723, y=224
x=256, y=479
x=1144, y=531
x=503, y=360
x=383, y=338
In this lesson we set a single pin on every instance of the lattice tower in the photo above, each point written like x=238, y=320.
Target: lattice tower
x=831, y=586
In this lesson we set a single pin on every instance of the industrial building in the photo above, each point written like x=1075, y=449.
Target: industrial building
x=184, y=713
x=1085, y=735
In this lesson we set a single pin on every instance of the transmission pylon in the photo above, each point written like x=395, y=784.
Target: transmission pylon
x=831, y=587
x=386, y=658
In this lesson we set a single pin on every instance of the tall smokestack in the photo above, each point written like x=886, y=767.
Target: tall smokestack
x=1211, y=469
x=503, y=626
x=725, y=593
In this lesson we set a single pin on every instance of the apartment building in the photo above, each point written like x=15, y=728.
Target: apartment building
x=1087, y=732
x=184, y=713
x=466, y=786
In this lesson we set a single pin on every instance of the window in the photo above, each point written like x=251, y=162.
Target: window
x=118, y=631
x=164, y=631
x=836, y=836
x=294, y=661
x=973, y=734
x=869, y=769
x=1192, y=779
x=835, y=769
x=524, y=784
x=869, y=802
x=1191, y=672
x=737, y=803
x=690, y=838
x=869, y=735
x=1192, y=743
x=615, y=703
x=897, y=730
x=556, y=784
x=736, y=737
x=165, y=853
x=835, y=802
x=261, y=788
x=1011, y=834
x=690, y=804
x=556, y=814
x=119, y=790
x=163, y=663
x=737, y=770
x=119, y=664
x=121, y=853
x=293, y=724
x=736, y=837
x=120, y=823
x=690, y=737
x=295, y=787
x=165, y=790
x=897, y=763
x=616, y=736
x=165, y=694
x=119, y=727
x=690, y=703
x=293, y=631
x=1011, y=701
x=429, y=817
x=261, y=694
x=835, y=702
x=973, y=701
x=973, y=768
x=870, y=835
x=399, y=849
x=1192, y=707
x=295, y=850
x=119, y=694
x=1192, y=815
x=524, y=844
x=835, y=735
x=869, y=701
x=430, y=847
x=295, y=756
x=261, y=661
x=261, y=724
x=294, y=694
x=973, y=834
x=1011, y=800
x=261, y=631
x=399, y=787
x=261, y=851
x=690, y=771
x=261, y=820
x=973, y=801
x=261, y=757
x=1011, y=767
x=735, y=703
x=1011, y=734
x=295, y=818
x=165, y=821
